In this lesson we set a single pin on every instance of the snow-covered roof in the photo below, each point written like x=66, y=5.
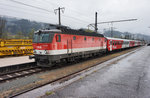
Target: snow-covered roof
x=52, y=30
x=120, y=39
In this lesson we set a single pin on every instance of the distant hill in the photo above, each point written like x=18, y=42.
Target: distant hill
x=14, y=25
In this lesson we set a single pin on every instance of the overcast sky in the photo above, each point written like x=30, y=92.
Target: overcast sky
x=80, y=13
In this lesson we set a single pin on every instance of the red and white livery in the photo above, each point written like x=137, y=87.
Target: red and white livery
x=63, y=44
x=51, y=46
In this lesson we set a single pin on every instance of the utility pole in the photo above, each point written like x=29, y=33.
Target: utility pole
x=111, y=29
x=96, y=22
x=59, y=13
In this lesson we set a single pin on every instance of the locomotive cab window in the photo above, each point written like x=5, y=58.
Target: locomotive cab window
x=58, y=38
x=43, y=37
x=35, y=38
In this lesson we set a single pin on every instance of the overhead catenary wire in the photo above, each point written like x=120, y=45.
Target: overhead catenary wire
x=2, y=4
x=9, y=10
x=75, y=18
x=80, y=13
x=31, y=6
x=43, y=9
x=66, y=16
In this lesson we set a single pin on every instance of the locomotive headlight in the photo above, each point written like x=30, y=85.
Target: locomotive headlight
x=34, y=51
x=46, y=52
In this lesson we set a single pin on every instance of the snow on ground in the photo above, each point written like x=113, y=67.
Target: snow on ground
x=14, y=60
x=127, y=78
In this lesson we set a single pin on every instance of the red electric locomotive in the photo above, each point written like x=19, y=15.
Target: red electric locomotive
x=63, y=44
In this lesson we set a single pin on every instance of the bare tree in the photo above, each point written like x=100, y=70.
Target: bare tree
x=2, y=26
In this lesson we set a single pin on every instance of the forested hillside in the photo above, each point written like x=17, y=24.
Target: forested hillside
x=21, y=28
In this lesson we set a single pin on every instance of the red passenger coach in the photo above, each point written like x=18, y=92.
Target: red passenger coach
x=116, y=43
x=52, y=46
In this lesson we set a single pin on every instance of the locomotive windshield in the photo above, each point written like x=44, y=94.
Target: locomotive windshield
x=42, y=38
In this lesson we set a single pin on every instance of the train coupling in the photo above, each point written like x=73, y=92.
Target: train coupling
x=31, y=56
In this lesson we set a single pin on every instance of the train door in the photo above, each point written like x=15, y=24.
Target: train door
x=110, y=45
x=69, y=46
x=102, y=44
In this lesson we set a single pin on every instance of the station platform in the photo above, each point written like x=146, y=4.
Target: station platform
x=14, y=60
x=128, y=77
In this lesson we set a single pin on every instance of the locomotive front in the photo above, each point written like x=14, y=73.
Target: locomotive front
x=42, y=44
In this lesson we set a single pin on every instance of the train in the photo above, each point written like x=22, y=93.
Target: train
x=63, y=44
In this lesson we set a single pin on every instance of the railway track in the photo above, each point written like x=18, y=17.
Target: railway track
x=19, y=73
x=13, y=68
x=12, y=72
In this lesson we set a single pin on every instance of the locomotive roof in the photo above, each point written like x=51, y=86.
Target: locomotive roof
x=72, y=31
x=81, y=32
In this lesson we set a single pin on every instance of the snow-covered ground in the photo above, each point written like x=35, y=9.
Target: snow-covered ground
x=14, y=60
x=127, y=78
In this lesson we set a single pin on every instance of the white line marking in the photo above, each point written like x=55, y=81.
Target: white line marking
x=32, y=70
x=25, y=72
x=17, y=74
x=9, y=75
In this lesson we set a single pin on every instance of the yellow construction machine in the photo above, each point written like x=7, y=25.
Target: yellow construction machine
x=14, y=47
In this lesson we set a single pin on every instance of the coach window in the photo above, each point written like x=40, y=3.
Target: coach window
x=58, y=38
x=84, y=38
x=74, y=38
x=110, y=42
x=113, y=42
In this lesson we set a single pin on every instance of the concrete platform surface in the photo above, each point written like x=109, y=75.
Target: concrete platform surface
x=126, y=78
x=14, y=60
